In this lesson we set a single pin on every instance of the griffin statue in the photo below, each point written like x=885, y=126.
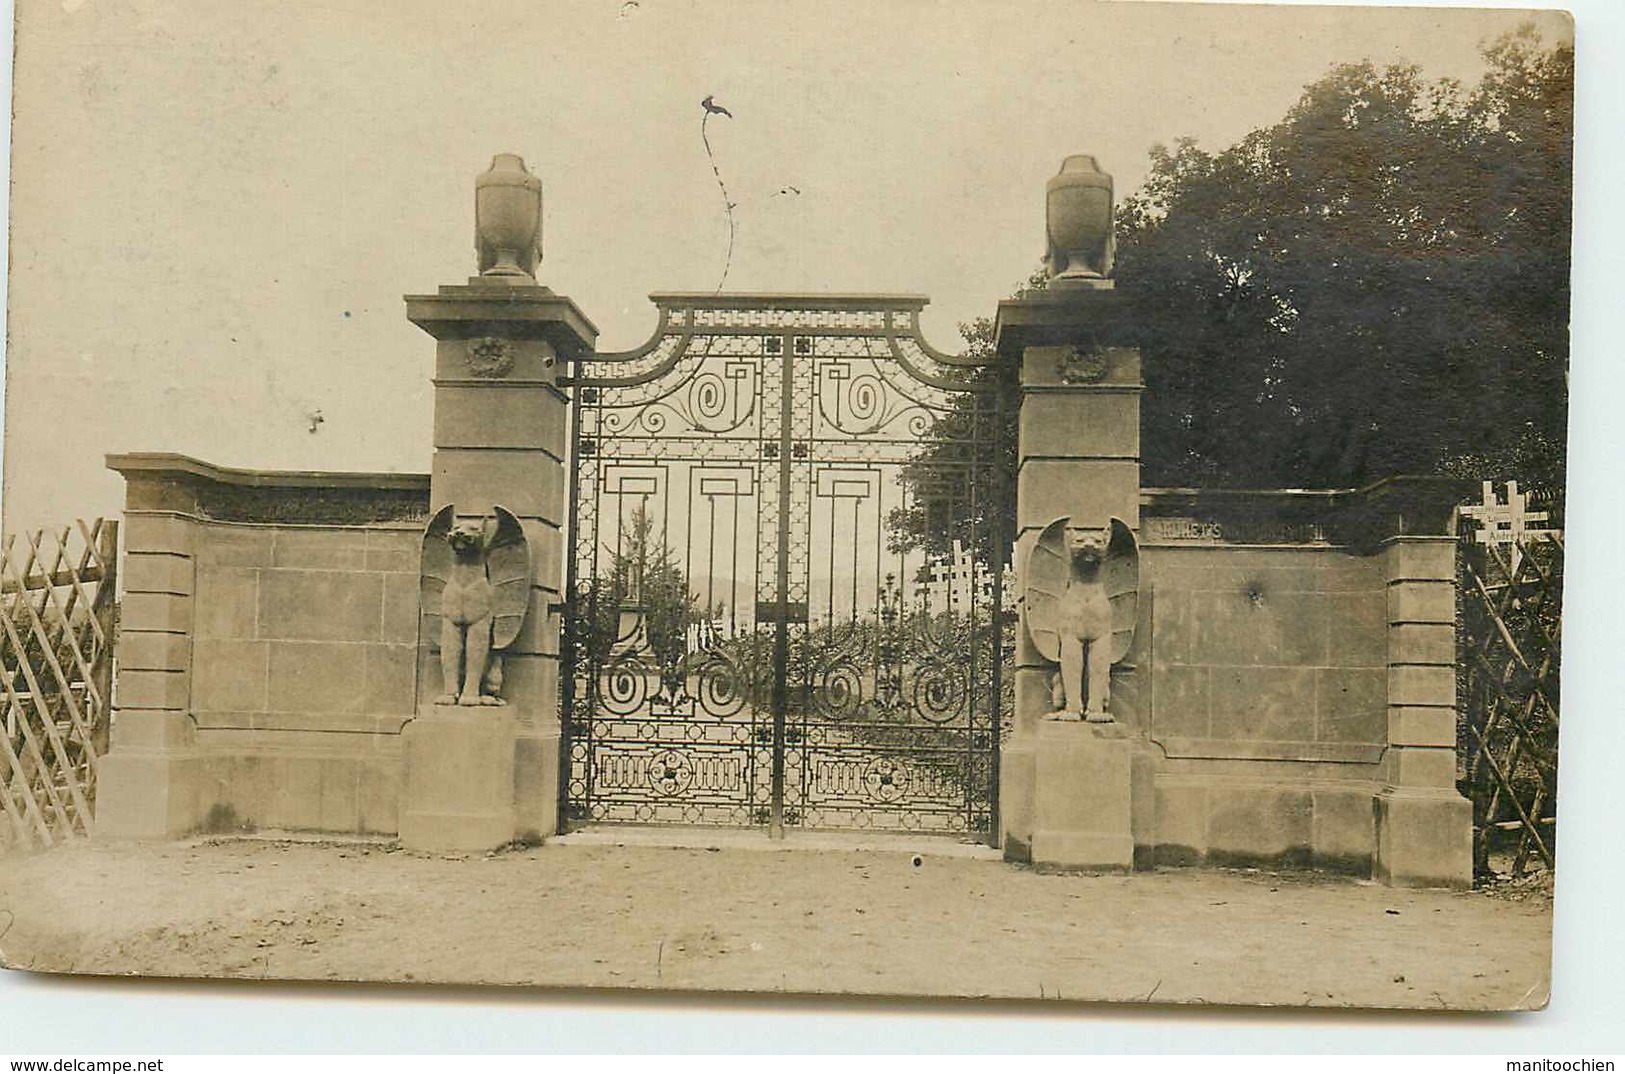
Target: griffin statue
x=1082, y=598
x=475, y=589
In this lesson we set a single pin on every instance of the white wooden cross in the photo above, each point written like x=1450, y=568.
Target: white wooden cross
x=952, y=583
x=941, y=583
x=1508, y=523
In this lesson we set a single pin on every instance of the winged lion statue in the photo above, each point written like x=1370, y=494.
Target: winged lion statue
x=475, y=589
x=1082, y=599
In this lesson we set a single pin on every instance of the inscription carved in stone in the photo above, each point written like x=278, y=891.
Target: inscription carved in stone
x=1179, y=529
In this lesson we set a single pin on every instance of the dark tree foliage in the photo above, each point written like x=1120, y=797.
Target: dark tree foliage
x=643, y=603
x=1377, y=284
x=974, y=444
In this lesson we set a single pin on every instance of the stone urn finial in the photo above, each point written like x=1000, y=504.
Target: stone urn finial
x=508, y=220
x=1078, y=220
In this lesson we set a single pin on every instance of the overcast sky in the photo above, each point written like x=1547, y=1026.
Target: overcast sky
x=217, y=208
x=177, y=194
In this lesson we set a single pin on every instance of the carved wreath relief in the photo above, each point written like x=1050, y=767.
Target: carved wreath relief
x=1082, y=599
x=1080, y=365
x=489, y=357
x=475, y=590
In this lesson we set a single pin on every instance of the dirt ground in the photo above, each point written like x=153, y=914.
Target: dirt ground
x=802, y=921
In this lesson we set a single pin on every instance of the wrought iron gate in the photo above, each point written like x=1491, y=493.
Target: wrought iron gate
x=785, y=594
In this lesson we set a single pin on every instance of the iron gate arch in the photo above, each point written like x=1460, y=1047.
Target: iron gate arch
x=785, y=595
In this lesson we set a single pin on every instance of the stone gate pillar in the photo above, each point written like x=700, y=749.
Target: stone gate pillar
x=149, y=786
x=477, y=777
x=1065, y=787
x=1424, y=827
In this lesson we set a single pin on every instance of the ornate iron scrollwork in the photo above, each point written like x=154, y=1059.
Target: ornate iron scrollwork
x=785, y=599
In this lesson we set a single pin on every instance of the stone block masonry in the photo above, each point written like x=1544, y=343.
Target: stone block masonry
x=1288, y=699
x=500, y=427
x=266, y=666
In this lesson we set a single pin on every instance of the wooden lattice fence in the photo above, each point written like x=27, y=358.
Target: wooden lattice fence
x=1510, y=652
x=58, y=624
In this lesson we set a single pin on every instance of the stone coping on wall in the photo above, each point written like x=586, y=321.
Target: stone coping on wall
x=1360, y=519
x=165, y=481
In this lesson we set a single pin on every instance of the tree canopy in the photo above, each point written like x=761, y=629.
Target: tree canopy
x=642, y=604
x=1377, y=284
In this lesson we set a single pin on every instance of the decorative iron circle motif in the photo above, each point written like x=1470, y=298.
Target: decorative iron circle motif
x=840, y=692
x=732, y=439
x=489, y=357
x=723, y=687
x=865, y=397
x=886, y=779
x=625, y=686
x=708, y=395
x=670, y=772
x=1082, y=365
x=939, y=692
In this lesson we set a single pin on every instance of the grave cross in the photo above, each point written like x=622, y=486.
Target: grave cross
x=1507, y=523
x=949, y=581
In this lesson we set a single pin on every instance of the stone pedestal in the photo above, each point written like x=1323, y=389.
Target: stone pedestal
x=148, y=793
x=1082, y=797
x=150, y=783
x=1424, y=838
x=1018, y=761
x=1424, y=827
x=458, y=787
x=501, y=423
x=537, y=767
x=1078, y=448
x=1065, y=794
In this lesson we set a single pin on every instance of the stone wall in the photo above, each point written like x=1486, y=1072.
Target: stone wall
x=303, y=656
x=1288, y=698
x=1264, y=692
x=266, y=667
x=1292, y=680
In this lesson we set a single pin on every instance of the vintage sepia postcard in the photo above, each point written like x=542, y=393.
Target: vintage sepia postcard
x=1024, y=499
